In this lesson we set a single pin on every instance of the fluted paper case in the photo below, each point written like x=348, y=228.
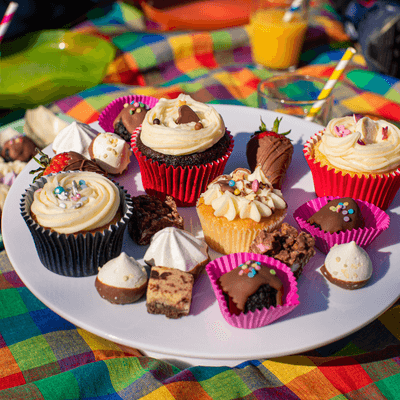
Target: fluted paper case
x=79, y=255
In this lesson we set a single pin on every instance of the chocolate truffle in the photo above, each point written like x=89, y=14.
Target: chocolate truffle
x=250, y=286
x=130, y=117
x=338, y=215
x=19, y=148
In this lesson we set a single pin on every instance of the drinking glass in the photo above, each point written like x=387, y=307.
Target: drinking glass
x=294, y=95
x=276, y=44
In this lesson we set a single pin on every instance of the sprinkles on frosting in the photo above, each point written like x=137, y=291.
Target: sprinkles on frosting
x=138, y=107
x=342, y=208
x=251, y=267
x=71, y=194
x=341, y=130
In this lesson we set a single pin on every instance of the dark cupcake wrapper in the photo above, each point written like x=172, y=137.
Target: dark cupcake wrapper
x=71, y=255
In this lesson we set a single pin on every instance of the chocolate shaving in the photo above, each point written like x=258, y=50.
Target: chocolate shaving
x=186, y=115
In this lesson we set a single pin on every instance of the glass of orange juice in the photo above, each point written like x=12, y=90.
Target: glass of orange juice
x=276, y=43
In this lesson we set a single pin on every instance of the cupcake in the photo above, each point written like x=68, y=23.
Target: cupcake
x=122, y=115
x=181, y=146
x=252, y=290
x=347, y=266
x=236, y=207
x=334, y=220
x=356, y=158
x=77, y=221
x=121, y=280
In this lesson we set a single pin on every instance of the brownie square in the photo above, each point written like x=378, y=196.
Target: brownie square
x=169, y=292
x=150, y=215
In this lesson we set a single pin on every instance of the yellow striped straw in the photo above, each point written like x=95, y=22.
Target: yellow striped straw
x=325, y=92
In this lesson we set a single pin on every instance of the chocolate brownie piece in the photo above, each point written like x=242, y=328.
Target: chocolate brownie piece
x=218, y=150
x=150, y=215
x=338, y=215
x=287, y=245
x=169, y=292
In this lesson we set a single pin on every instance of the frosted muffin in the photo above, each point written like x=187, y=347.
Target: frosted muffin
x=356, y=158
x=77, y=221
x=181, y=146
x=236, y=207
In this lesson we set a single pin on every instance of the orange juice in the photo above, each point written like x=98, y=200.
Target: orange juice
x=276, y=44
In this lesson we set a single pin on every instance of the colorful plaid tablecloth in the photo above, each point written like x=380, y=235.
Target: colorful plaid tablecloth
x=43, y=356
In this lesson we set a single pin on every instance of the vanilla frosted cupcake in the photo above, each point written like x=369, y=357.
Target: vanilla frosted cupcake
x=181, y=146
x=77, y=221
x=236, y=207
x=356, y=158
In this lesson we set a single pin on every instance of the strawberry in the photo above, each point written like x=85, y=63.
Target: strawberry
x=272, y=151
x=63, y=162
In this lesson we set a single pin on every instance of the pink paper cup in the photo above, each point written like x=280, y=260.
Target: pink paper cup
x=376, y=221
x=215, y=269
x=108, y=115
x=379, y=189
x=184, y=184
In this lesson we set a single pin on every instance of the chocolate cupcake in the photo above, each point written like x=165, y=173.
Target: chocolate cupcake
x=182, y=145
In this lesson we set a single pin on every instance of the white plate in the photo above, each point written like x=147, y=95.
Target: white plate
x=326, y=313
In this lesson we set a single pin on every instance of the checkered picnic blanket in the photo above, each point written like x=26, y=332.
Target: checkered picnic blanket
x=43, y=356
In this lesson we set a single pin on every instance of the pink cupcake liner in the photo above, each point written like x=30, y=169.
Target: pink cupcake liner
x=376, y=221
x=215, y=269
x=184, y=184
x=108, y=115
x=379, y=190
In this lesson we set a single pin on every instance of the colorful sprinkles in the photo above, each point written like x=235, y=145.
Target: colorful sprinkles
x=342, y=208
x=71, y=194
x=250, y=268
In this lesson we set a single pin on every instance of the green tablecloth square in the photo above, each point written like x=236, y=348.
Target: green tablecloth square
x=32, y=353
x=11, y=303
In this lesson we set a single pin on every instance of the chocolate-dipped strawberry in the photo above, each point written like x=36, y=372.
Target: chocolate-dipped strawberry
x=272, y=151
x=68, y=161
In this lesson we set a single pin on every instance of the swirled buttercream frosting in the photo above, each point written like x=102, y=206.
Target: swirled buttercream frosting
x=76, y=201
x=181, y=126
x=362, y=145
x=243, y=194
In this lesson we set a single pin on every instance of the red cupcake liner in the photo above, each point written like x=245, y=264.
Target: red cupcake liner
x=215, y=269
x=184, y=184
x=379, y=189
x=108, y=115
x=376, y=221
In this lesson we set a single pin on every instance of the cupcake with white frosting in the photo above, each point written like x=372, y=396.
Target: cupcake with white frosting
x=356, y=158
x=236, y=207
x=122, y=280
x=77, y=221
x=181, y=146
